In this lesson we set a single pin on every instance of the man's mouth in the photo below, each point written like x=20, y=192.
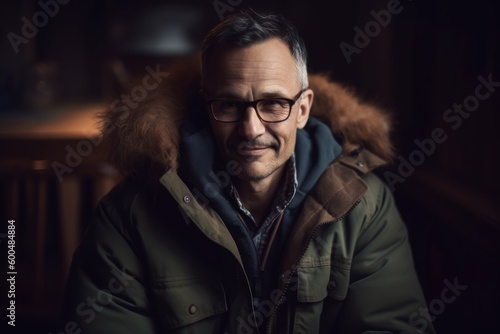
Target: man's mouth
x=251, y=150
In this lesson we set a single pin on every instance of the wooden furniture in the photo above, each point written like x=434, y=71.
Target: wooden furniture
x=50, y=165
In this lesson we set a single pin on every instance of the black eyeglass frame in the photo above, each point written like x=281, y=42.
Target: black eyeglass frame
x=253, y=104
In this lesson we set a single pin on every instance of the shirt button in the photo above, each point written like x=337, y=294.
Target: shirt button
x=360, y=164
x=193, y=309
x=331, y=285
x=187, y=199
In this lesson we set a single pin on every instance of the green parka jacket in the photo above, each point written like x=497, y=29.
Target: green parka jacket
x=155, y=260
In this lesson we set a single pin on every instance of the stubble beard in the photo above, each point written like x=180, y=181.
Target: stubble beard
x=248, y=174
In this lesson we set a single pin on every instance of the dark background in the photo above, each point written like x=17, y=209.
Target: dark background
x=427, y=59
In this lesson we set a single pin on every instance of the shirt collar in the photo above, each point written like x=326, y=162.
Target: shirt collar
x=284, y=196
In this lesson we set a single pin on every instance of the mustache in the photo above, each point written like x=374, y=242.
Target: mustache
x=240, y=143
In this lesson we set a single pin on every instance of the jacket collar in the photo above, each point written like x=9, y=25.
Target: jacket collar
x=337, y=191
x=145, y=141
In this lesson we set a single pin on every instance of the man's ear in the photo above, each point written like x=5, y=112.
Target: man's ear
x=306, y=101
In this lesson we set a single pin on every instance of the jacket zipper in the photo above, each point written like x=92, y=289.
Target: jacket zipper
x=285, y=288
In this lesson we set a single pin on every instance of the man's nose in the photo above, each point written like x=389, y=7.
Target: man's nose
x=251, y=125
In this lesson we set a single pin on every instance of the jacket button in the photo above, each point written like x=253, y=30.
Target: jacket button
x=193, y=309
x=360, y=164
x=331, y=285
x=355, y=153
x=187, y=199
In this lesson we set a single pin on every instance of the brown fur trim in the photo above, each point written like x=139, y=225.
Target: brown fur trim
x=355, y=122
x=144, y=141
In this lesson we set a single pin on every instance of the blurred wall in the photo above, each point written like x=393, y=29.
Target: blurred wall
x=420, y=59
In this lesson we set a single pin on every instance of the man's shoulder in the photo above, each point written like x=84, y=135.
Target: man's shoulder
x=358, y=167
x=124, y=192
x=364, y=165
x=358, y=174
x=132, y=194
x=377, y=192
x=376, y=185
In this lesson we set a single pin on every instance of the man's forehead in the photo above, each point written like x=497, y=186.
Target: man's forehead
x=269, y=61
x=271, y=43
x=275, y=45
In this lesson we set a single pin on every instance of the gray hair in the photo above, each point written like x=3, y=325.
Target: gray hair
x=248, y=28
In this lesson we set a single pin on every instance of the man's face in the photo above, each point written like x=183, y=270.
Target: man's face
x=259, y=71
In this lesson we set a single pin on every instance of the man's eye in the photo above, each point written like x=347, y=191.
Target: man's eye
x=274, y=104
x=229, y=106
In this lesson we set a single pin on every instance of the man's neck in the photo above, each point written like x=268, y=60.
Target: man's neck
x=258, y=196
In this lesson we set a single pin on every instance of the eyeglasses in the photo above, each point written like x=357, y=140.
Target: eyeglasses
x=270, y=110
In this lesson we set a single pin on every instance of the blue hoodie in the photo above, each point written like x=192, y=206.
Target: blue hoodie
x=315, y=149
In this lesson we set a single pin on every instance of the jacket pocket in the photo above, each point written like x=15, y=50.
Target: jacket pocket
x=312, y=283
x=315, y=283
x=320, y=292
x=339, y=282
x=187, y=301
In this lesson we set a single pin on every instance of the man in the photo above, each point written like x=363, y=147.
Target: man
x=240, y=212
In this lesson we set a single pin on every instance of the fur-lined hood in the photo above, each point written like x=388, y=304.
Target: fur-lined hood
x=145, y=140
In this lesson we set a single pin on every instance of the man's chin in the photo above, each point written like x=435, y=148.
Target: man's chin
x=250, y=175
x=251, y=171
x=256, y=171
x=250, y=158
